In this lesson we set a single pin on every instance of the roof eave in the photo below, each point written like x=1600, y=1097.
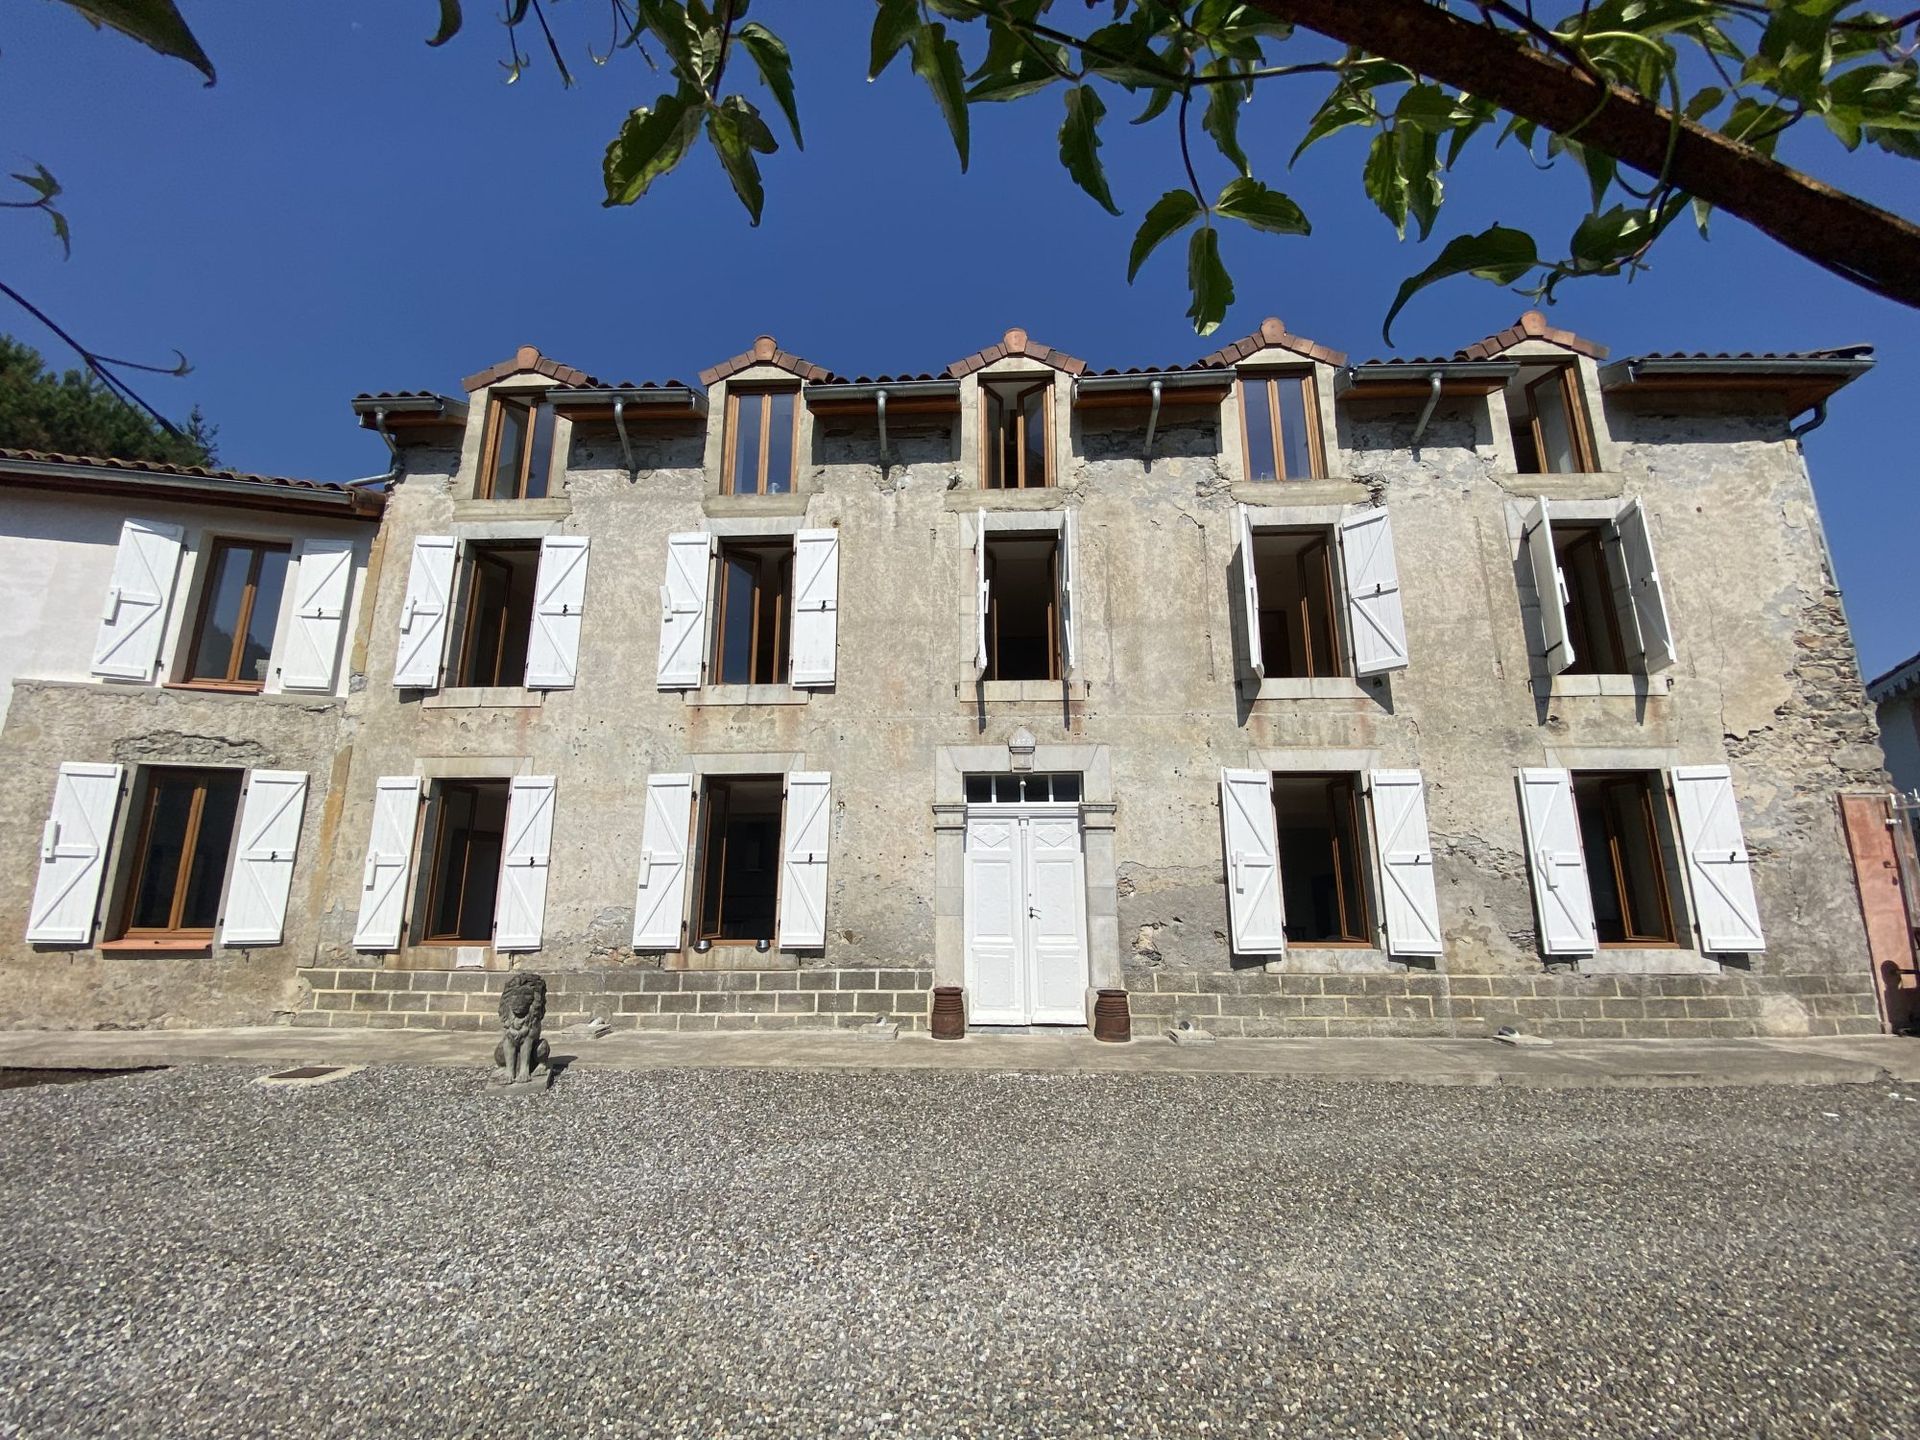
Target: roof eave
x=354, y=503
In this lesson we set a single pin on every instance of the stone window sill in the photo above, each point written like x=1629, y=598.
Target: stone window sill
x=792, y=502
x=1654, y=960
x=1325, y=687
x=484, y=697
x=747, y=695
x=978, y=497
x=546, y=507
x=1333, y=960
x=1564, y=687
x=1029, y=692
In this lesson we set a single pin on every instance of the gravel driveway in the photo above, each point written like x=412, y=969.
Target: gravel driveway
x=770, y=1253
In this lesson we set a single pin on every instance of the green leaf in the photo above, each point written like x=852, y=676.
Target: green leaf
x=936, y=60
x=1702, y=213
x=737, y=131
x=649, y=144
x=1705, y=102
x=1340, y=111
x=775, y=64
x=679, y=36
x=1080, y=145
x=1602, y=241
x=1381, y=179
x=40, y=180
x=449, y=22
x=894, y=24
x=1497, y=254
x=1157, y=102
x=157, y=24
x=1221, y=120
x=1172, y=212
x=1207, y=281
x=1265, y=209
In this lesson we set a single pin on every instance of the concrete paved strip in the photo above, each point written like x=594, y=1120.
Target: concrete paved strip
x=1567, y=1064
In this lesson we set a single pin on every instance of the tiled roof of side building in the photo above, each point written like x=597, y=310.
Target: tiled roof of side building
x=107, y=475
x=161, y=467
x=1901, y=678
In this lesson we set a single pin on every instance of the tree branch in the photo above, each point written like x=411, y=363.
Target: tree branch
x=1859, y=242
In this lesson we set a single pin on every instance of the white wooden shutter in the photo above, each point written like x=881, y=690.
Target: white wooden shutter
x=520, y=908
x=1250, y=599
x=383, y=880
x=1717, y=860
x=127, y=646
x=816, y=606
x=1376, y=628
x=1252, y=846
x=683, y=612
x=73, y=849
x=1647, y=600
x=559, y=595
x=269, y=836
x=1550, y=586
x=1406, y=863
x=423, y=615
x=804, y=830
x=1069, y=637
x=1561, y=895
x=660, y=906
x=982, y=593
x=321, y=582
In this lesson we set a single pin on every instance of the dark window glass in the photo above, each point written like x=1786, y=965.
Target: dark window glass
x=239, y=608
x=1261, y=461
x=500, y=586
x=1549, y=424
x=1626, y=867
x=1593, y=619
x=1014, y=443
x=1323, y=885
x=1299, y=628
x=762, y=441
x=1295, y=436
x=747, y=427
x=469, y=833
x=750, y=633
x=533, y=485
x=780, y=442
x=740, y=858
x=979, y=788
x=1066, y=787
x=1277, y=413
x=180, y=860
x=1022, y=609
x=521, y=457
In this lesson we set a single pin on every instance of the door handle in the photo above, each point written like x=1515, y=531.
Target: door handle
x=1032, y=914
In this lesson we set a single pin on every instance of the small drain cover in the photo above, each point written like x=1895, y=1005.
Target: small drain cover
x=310, y=1074
x=20, y=1077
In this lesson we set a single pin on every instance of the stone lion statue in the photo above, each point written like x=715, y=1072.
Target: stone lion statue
x=523, y=1006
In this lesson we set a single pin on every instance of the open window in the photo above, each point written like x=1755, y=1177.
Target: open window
x=761, y=876
x=1548, y=416
x=739, y=883
x=518, y=614
x=466, y=834
x=1280, y=425
x=1321, y=839
x=752, y=597
x=762, y=440
x=1024, y=604
x=1626, y=857
x=176, y=870
x=516, y=461
x=232, y=643
x=1016, y=447
x=1603, y=609
x=499, y=614
x=1320, y=601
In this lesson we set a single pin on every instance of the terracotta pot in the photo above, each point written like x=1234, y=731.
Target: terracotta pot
x=1111, y=1020
x=949, y=1020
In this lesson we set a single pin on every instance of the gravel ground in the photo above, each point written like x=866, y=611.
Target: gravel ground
x=768, y=1253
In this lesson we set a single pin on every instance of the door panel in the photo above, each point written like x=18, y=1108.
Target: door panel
x=1026, y=929
x=995, y=928
x=1056, y=926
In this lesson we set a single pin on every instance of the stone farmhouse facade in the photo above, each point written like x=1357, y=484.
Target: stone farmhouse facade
x=1286, y=695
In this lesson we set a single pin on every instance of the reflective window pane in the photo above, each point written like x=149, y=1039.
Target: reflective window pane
x=185, y=836
x=540, y=462
x=1066, y=787
x=1296, y=436
x=207, y=870
x=1254, y=398
x=979, y=788
x=220, y=617
x=263, y=615
x=1557, y=452
x=1034, y=413
x=780, y=442
x=510, y=439
x=746, y=444
x=736, y=622
x=170, y=809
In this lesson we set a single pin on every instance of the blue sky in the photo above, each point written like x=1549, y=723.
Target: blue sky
x=349, y=210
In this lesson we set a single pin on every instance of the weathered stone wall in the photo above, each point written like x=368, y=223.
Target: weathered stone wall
x=85, y=986
x=1766, y=682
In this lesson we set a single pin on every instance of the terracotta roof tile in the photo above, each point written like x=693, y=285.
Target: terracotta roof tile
x=158, y=467
x=1838, y=352
x=1015, y=343
x=765, y=351
x=1531, y=326
x=1272, y=332
x=527, y=361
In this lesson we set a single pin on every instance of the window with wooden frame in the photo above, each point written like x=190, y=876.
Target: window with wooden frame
x=1280, y=425
x=763, y=439
x=1323, y=879
x=1299, y=617
x=753, y=599
x=498, y=617
x=467, y=834
x=1016, y=435
x=1620, y=834
x=1588, y=566
x=1549, y=422
x=516, y=461
x=739, y=884
x=183, y=834
x=1023, y=607
x=239, y=608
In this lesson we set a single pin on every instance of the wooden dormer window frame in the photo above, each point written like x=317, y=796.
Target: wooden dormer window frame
x=757, y=471
x=1564, y=377
x=1271, y=428
x=1004, y=407
x=520, y=479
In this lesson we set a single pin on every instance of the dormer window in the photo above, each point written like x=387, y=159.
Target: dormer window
x=762, y=431
x=1280, y=422
x=1017, y=436
x=1549, y=420
x=518, y=454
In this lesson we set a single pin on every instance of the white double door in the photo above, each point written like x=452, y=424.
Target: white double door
x=1026, y=916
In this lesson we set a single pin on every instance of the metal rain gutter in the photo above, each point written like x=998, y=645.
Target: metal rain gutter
x=1157, y=380
x=866, y=389
x=657, y=397
x=1630, y=370
x=1356, y=377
